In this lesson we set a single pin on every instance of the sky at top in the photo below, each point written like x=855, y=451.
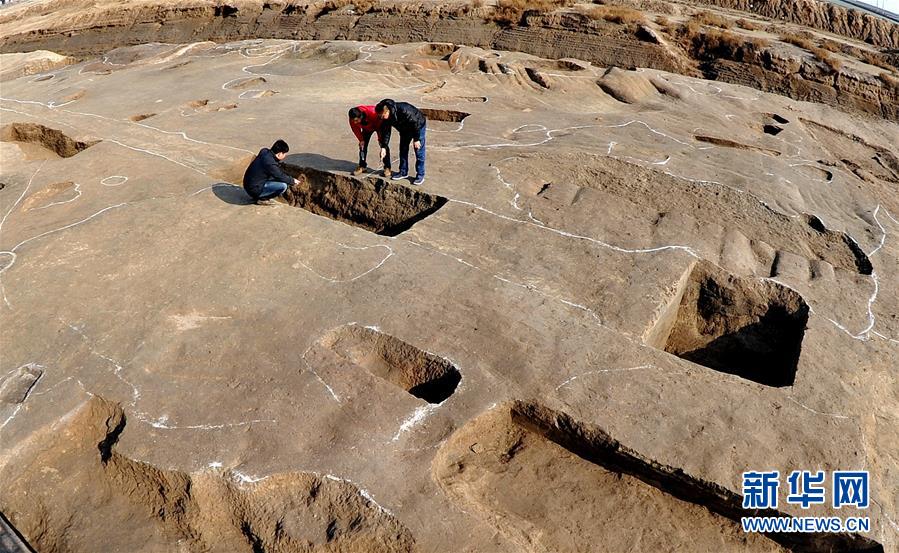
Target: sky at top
x=889, y=5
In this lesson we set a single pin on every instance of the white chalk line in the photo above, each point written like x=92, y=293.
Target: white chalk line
x=560, y=232
x=181, y=134
x=885, y=515
x=76, y=189
x=22, y=195
x=76, y=223
x=160, y=422
x=27, y=392
x=500, y=278
x=863, y=335
x=380, y=264
x=603, y=371
x=418, y=415
x=119, y=183
x=809, y=409
x=12, y=252
x=117, y=142
x=367, y=49
x=317, y=376
x=11, y=416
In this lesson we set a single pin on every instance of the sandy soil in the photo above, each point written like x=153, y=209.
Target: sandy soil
x=185, y=371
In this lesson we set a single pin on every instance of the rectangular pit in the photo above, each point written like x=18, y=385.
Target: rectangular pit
x=593, y=444
x=374, y=204
x=54, y=142
x=448, y=115
x=422, y=374
x=743, y=326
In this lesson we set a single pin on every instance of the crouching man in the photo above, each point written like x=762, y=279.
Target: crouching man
x=264, y=179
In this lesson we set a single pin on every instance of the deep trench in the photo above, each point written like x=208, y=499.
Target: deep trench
x=594, y=445
x=374, y=204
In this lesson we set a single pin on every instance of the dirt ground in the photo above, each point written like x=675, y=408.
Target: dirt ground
x=703, y=271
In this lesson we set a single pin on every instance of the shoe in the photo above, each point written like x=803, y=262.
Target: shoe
x=399, y=177
x=269, y=202
x=419, y=180
x=358, y=171
x=387, y=173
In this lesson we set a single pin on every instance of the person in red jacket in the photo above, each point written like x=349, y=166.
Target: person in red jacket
x=364, y=122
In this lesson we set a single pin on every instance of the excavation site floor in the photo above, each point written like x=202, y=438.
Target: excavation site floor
x=699, y=273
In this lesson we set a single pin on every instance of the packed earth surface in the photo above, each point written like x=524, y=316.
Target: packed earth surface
x=638, y=267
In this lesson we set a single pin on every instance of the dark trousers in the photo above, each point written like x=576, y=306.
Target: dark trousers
x=405, y=140
x=363, y=151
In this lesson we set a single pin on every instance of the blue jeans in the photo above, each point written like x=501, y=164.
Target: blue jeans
x=272, y=189
x=405, y=140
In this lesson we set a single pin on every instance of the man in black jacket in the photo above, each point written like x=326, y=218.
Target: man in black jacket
x=412, y=126
x=264, y=179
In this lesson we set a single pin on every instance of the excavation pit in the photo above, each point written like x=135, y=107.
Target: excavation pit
x=438, y=49
x=375, y=204
x=598, y=485
x=742, y=326
x=448, y=115
x=422, y=374
x=55, y=142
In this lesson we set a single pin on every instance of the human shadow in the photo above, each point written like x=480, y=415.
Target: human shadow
x=232, y=194
x=320, y=162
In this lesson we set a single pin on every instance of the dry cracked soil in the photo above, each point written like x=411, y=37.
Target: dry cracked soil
x=643, y=262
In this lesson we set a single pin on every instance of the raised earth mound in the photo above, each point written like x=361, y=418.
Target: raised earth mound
x=656, y=248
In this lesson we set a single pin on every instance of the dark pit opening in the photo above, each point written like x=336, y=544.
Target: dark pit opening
x=815, y=223
x=773, y=130
x=536, y=77
x=779, y=119
x=449, y=115
x=747, y=327
x=53, y=140
x=422, y=374
x=374, y=204
x=225, y=11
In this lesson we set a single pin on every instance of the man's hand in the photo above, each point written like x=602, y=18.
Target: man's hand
x=417, y=145
x=383, y=153
x=296, y=182
x=361, y=144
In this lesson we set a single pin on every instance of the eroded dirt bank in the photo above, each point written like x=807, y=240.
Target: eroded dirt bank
x=636, y=39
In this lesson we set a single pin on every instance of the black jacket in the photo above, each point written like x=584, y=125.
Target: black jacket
x=405, y=118
x=265, y=167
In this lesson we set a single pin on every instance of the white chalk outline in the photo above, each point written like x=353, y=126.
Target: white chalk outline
x=104, y=183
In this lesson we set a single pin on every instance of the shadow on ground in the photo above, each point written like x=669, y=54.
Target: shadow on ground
x=320, y=162
x=231, y=194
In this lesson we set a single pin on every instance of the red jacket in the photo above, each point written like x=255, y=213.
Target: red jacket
x=370, y=123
